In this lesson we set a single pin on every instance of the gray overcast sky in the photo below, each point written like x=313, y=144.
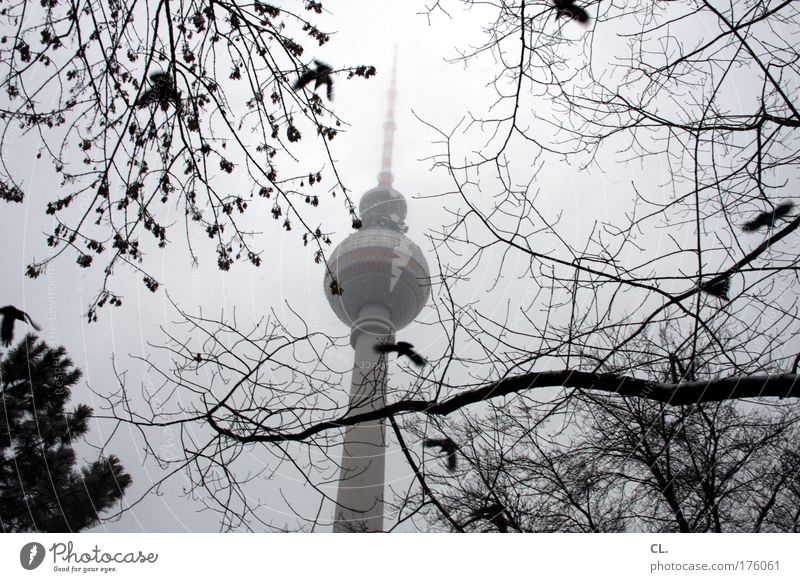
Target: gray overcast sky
x=365, y=33
x=428, y=88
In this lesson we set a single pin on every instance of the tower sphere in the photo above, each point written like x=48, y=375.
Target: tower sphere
x=378, y=266
x=382, y=274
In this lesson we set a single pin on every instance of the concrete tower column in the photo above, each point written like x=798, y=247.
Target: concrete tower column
x=359, y=502
x=376, y=283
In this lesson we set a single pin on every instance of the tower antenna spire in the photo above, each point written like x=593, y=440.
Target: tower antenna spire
x=385, y=177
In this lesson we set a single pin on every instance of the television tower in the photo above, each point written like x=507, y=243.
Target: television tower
x=383, y=276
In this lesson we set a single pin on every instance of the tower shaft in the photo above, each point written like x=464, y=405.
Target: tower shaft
x=359, y=501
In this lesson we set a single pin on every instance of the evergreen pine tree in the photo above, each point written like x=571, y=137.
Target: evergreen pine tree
x=41, y=488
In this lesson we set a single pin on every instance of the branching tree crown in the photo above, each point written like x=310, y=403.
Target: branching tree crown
x=144, y=107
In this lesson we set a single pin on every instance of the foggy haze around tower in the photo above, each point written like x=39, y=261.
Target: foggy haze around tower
x=288, y=288
x=530, y=204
